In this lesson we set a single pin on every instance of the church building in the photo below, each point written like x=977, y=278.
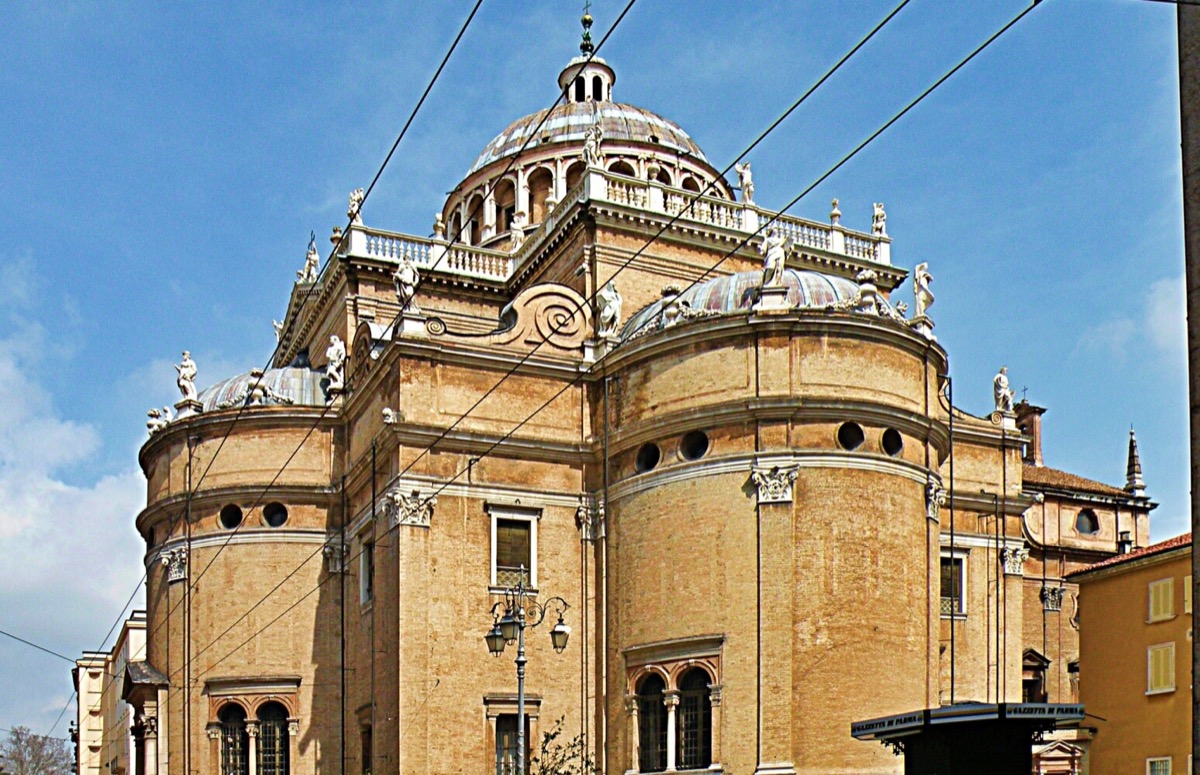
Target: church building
x=704, y=445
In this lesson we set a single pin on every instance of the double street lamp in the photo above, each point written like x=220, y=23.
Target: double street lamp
x=510, y=617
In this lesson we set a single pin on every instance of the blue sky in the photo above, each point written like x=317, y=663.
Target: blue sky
x=163, y=165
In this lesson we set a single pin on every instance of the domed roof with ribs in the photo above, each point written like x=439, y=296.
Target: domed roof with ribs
x=569, y=121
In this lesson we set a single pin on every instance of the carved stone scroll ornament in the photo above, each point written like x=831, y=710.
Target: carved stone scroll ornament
x=774, y=484
x=550, y=313
x=589, y=519
x=1014, y=560
x=412, y=509
x=149, y=726
x=176, y=562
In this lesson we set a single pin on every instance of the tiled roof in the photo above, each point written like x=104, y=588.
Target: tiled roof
x=1052, y=477
x=1163, y=546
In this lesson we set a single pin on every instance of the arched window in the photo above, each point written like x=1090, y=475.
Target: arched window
x=506, y=204
x=1086, y=523
x=663, y=176
x=622, y=168
x=273, y=739
x=474, y=217
x=597, y=88
x=652, y=724
x=235, y=742
x=540, y=181
x=574, y=173
x=694, y=721
x=690, y=184
x=579, y=88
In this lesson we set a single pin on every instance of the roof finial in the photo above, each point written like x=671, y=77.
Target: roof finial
x=1134, y=484
x=585, y=45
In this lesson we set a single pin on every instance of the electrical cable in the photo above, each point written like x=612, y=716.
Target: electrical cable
x=304, y=300
x=36, y=646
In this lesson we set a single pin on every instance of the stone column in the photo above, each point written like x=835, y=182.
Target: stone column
x=150, y=745
x=252, y=733
x=214, y=747
x=631, y=710
x=714, y=699
x=489, y=215
x=523, y=192
x=671, y=700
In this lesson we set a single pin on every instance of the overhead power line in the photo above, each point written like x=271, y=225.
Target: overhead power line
x=36, y=646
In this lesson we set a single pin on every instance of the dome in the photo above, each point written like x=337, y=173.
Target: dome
x=569, y=121
x=737, y=292
x=291, y=386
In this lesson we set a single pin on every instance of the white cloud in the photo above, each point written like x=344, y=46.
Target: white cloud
x=71, y=553
x=1161, y=323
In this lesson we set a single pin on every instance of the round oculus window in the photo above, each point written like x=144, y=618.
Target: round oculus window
x=275, y=514
x=693, y=445
x=647, y=458
x=850, y=436
x=231, y=516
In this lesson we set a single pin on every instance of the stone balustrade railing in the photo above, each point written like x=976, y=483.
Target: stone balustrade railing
x=497, y=266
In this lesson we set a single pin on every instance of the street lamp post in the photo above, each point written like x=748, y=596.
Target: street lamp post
x=510, y=617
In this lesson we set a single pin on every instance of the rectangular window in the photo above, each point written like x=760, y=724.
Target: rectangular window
x=514, y=545
x=1162, y=600
x=1158, y=766
x=1160, y=668
x=1187, y=594
x=367, y=742
x=954, y=601
x=366, y=573
x=506, y=744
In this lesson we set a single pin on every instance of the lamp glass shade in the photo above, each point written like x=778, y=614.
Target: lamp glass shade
x=559, y=636
x=509, y=627
x=495, y=641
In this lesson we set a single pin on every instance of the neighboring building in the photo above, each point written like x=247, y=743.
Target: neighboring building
x=104, y=726
x=745, y=494
x=1135, y=658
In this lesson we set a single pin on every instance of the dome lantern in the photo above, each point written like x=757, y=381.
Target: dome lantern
x=587, y=77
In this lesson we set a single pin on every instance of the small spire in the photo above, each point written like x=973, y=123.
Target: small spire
x=1134, y=484
x=585, y=45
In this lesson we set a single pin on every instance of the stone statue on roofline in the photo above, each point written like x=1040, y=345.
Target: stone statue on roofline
x=774, y=250
x=406, y=278
x=922, y=295
x=746, y=182
x=354, y=211
x=1002, y=393
x=609, y=312
x=592, y=155
x=879, y=221
x=187, y=377
x=312, y=263
x=335, y=367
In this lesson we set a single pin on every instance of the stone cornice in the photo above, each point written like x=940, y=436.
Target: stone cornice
x=256, y=418
x=268, y=535
x=798, y=323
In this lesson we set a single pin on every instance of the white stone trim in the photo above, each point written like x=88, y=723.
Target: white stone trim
x=520, y=513
x=263, y=536
x=974, y=541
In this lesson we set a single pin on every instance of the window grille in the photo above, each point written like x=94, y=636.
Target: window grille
x=273, y=740
x=1161, y=766
x=513, y=551
x=694, y=721
x=235, y=742
x=652, y=725
x=952, y=586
